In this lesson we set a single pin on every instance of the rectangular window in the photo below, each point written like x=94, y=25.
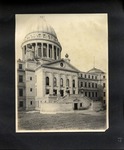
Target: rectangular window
x=73, y=91
x=30, y=102
x=30, y=89
x=30, y=78
x=20, y=66
x=92, y=94
x=89, y=94
x=103, y=77
x=85, y=93
x=103, y=85
x=20, y=92
x=85, y=84
x=96, y=85
x=80, y=104
x=92, y=85
x=20, y=78
x=47, y=91
x=89, y=85
x=104, y=94
x=96, y=94
x=21, y=104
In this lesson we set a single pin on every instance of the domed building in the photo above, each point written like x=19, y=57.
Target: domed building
x=44, y=77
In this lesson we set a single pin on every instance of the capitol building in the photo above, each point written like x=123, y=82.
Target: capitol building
x=43, y=77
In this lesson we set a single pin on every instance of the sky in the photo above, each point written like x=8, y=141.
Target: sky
x=84, y=37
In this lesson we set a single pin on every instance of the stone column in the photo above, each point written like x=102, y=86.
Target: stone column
x=65, y=77
x=47, y=50
x=44, y=83
x=51, y=83
x=58, y=84
x=53, y=52
x=76, y=85
x=71, y=88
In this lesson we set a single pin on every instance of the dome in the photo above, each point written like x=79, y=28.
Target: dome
x=43, y=26
x=41, y=30
x=95, y=70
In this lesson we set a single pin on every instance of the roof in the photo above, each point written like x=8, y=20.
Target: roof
x=95, y=70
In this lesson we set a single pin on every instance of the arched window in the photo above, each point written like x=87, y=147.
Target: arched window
x=61, y=82
x=67, y=82
x=55, y=81
x=73, y=83
x=47, y=80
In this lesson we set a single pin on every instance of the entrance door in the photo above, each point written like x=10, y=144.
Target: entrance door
x=61, y=92
x=75, y=106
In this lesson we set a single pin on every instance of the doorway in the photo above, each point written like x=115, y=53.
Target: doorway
x=62, y=93
x=75, y=106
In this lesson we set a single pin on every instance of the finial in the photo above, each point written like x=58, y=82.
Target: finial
x=66, y=55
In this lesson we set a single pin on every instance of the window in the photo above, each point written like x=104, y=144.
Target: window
x=80, y=104
x=54, y=92
x=92, y=94
x=85, y=84
x=25, y=49
x=30, y=89
x=47, y=80
x=96, y=94
x=89, y=85
x=30, y=102
x=89, y=94
x=92, y=85
x=30, y=78
x=103, y=77
x=61, y=82
x=73, y=83
x=47, y=91
x=67, y=82
x=20, y=92
x=95, y=77
x=92, y=77
x=85, y=76
x=81, y=84
x=55, y=81
x=103, y=85
x=21, y=104
x=85, y=93
x=96, y=85
x=81, y=75
x=104, y=94
x=20, y=78
x=20, y=66
x=89, y=76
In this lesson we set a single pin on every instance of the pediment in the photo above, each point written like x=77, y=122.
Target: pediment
x=61, y=65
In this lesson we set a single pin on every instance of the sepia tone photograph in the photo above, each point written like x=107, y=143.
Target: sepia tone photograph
x=61, y=72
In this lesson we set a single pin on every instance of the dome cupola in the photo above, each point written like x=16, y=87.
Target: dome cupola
x=41, y=42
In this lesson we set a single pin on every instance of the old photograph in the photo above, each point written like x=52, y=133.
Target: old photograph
x=61, y=72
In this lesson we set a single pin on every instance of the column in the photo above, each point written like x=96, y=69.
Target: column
x=52, y=51
x=76, y=85
x=36, y=52
x=51, y=83
x=44, y=83
x=71, y=88
x=58, y=84
x=65, y=77
x=56, y=54
x=47, y=50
